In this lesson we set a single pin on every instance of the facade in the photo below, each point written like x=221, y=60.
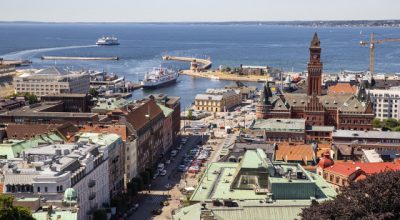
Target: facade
x=167, y=128
x=217, y=100
x=115, y=147
x=174, y=103
x=52, y=80
x=348, y=145
x=344, y=111
x=49, y=171
x=73, y=102
x=342, y=173
x=386, y=103
x=144, y=121
x=281, y=130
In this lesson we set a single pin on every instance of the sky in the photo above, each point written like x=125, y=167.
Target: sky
x=196, y=11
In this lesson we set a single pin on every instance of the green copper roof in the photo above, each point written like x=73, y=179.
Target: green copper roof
x=12, y=148
x=65, y=215
x=167, y=111
x=70, y=195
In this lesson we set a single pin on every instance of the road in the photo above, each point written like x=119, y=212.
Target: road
x=159, y=192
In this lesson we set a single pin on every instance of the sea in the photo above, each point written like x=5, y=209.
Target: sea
x=143, y=45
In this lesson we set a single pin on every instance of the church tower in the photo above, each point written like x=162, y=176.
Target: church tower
x=314, y=80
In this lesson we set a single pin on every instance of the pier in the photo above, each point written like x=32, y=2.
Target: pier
x=205, y=64
x=78, y=58
x=15, y=62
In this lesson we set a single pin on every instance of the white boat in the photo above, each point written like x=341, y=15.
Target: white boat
x=107, y=41
x=159, y=77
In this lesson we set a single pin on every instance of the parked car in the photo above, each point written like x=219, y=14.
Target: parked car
x=182, y=168
x=168, y=161
x=163, y=172
x=160, y=166
x=156, y=211
x=174, y=153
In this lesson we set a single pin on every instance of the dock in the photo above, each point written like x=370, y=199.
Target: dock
x=195, y=63
x=15, y=62
x=78, y=58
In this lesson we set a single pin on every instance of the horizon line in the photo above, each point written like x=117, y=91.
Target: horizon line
x=199, y=22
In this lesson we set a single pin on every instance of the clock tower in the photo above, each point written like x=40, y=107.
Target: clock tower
x=314, y=79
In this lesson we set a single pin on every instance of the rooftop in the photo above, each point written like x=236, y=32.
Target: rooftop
x=294, y=152
x=342, y=88
x=223, y=180
x=348, y=168
x=280, y=125
x=365, y=134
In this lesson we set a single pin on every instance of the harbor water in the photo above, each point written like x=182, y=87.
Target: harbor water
x=143, y=45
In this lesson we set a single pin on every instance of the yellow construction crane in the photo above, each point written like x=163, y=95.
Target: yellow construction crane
x=371, y=44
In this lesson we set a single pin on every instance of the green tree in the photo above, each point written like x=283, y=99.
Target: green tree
x=390, y=123
x=376, y=197
x=145, y=175
x=376, y=123
x=93, y=92
x=8, y=211
x=139, y=182
x=100, y=214
x=190, y=114
x=32, y=99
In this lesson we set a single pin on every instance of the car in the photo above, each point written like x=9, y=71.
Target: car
x=179, y=147
x=160, y=166
x=181, y=168
x=209, y=148
x=167, y=161
x=156, y=211
x=156, y=175
x=163, y=172
x=174, y=153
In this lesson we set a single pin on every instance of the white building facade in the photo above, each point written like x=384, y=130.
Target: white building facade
x=386, y=103
x=52, y=81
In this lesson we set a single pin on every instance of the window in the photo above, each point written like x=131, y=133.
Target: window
x=331, y=178
x=337, y=179
x=45, y=189
x=61, y=188
x=38, y=189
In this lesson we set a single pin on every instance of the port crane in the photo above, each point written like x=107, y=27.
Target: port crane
x=371, y=43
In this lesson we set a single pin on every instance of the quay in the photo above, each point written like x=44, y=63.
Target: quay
x=194, y=62
x=78, y=58
x=15, y=62
x=217, y=75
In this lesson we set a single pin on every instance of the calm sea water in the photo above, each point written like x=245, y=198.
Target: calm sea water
x=143, y=45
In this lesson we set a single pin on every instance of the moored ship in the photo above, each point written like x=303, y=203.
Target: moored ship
x=107, y=41
x=159, y=77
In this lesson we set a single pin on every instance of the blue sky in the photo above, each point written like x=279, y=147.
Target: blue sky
x=190, y=10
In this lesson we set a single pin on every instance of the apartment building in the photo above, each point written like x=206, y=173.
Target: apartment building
x=386, y=103
x=217, y=100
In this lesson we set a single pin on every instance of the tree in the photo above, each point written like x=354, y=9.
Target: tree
x=100, y=214
x=139, y=183
x=376, y=123
x=145, y=177
x=190, y=114
x=390, y=123
x=32, y=99
x=376, y=197
x=8, y=211
x=93, y=92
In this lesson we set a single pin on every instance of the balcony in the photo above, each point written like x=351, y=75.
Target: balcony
x=91, y=183
x=92, y=196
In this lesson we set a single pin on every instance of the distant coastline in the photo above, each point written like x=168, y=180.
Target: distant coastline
x=321, y=23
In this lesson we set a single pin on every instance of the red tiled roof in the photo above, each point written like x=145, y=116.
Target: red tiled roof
x=27, y=131
x=137, y=116
x=347, y=168
x=342, y=88
x=295, y=152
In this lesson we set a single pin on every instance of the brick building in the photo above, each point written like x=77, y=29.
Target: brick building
x=343, y=111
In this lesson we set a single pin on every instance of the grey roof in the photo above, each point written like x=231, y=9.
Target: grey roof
x=279, y=125
x=208, y=97
x=53, y=71
x=366, y=134
x=19, y=178
x=321, y=128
